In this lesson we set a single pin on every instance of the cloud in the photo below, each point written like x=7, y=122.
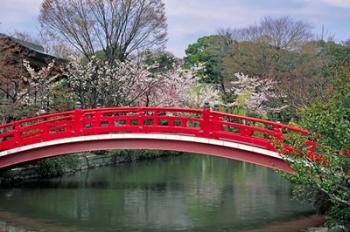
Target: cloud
x=338, y=3
x=190, y=19
x=19, y=15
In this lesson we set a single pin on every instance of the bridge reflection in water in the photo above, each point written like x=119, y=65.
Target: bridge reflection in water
x=186, y=193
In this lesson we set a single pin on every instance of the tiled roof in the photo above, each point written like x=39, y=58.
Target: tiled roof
x=35, y=47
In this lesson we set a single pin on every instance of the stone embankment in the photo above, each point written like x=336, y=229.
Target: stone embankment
x=70, y=164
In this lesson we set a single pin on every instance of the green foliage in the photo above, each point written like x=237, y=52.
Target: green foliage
x=326, y=182
x=331, y=119
x=198, y=52
x=57, y=166
x=208, y=53
x=240, y=108
x=62, y=98
x=334, y=55
x=251, y=58
x=164, y=61
x=303, y=75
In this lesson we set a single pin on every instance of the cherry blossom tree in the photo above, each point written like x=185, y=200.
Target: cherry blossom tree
x=179, y=87
x=101, y=83
x=46, y=90
x=255, y=94
x=35, y=92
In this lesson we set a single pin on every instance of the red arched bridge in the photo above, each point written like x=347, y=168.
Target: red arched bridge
x=189, y=130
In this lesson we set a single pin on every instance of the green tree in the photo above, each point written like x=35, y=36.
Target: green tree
x=327, y=181
x=331, y=118
x=334, y=55
x=251, y=58
x=303, y=75
x=163, y=61
x=207, y=55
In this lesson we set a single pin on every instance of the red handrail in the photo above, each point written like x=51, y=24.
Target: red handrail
x=194, y=122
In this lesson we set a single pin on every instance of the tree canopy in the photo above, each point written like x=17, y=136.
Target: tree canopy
x=282, y=33
x=118, y=27
x=327, y=182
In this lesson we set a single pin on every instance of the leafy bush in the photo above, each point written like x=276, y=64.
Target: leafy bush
x=326, y=181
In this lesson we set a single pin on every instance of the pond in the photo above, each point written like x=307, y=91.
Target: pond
x=184, y=193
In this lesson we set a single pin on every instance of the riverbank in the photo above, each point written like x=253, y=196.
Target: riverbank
x=13, y=222
x=70, y=164
x=303, y=224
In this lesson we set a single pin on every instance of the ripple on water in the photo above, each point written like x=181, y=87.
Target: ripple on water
x=196, y=193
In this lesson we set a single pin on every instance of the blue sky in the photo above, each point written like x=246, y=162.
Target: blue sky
x=190, y=19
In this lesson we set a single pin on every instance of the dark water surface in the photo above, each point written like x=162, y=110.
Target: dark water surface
x=186, y=193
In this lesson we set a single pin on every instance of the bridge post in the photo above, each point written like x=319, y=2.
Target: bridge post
x=279, y=133
x=279, y=137
x=205, y=125
x=140, y=117
x=17, y=134
x=77, y=122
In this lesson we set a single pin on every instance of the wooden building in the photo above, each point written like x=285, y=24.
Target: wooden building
x=13, y=74
x=13, y=51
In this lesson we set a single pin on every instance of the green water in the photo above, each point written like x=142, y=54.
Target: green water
x=186, y=193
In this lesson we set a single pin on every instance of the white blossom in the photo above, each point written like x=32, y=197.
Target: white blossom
x=39, y=86
x=253, y=93
x=132, y=83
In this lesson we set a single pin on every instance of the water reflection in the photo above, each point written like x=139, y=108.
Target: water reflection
x=192, y=192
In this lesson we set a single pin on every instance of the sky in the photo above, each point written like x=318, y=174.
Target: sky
x=188, y=20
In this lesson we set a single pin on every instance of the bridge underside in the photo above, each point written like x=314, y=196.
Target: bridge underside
x=231, y=151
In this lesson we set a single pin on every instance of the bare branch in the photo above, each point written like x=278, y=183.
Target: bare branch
x=118, y=27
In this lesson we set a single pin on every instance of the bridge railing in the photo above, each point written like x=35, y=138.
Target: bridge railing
x=192, y=122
